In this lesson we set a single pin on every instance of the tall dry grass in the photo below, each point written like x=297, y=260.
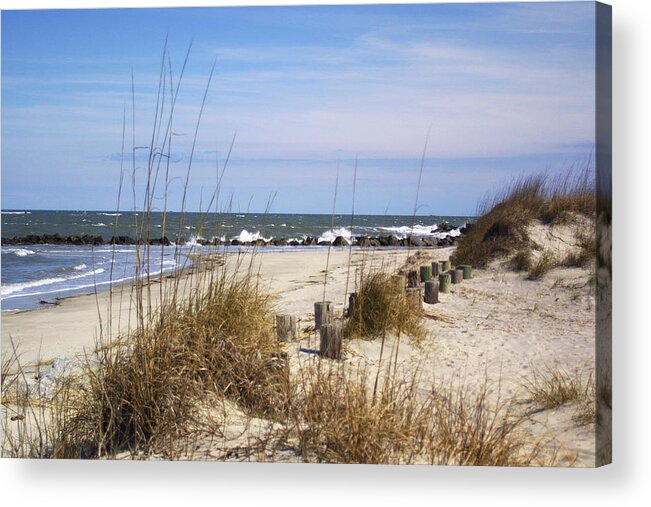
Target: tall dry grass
x=381, y=308
x=505, y=216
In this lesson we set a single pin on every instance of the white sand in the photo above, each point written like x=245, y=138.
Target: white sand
x=498, y=325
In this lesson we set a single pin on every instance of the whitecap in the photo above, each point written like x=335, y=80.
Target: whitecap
x=9, y=289
x=19, y=252
x=246, y=236
x=332, y=234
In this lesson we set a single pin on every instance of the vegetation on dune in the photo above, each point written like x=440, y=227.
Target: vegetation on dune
x=504, y=219
x=381, y=308
x=552, y=386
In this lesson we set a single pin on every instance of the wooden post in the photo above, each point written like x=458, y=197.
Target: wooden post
x=415, y=298
x=435, y=269
x=467, y=271
x=431, y=292
x=286, y=327
x=445, y=281
x=324, y=312
x=425, y=273
x=352, y=302
x=400, y=281
x=447, y=266
x=331, y=335
x=412, y=278
x=456, y=275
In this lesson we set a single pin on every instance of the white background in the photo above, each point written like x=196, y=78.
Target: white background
x=626, y=482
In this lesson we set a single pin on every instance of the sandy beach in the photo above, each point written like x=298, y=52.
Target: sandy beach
x=496, y=327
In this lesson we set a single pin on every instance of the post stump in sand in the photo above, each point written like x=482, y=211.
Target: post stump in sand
x=286, y=327
x=467, y=271
x=352, y=302
x=415, y=298
x=324, y=312
x=425, y=273
x=456, y=275
x=400, y=281
x=435, y=269
x=431, y=292
x=447, y=265
x=412, y=278
x=445, y=280
x=331, y=335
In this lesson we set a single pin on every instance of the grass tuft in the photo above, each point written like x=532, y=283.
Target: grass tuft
x=504, y=218
x=382, y=308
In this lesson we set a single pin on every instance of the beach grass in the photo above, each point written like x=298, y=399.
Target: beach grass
x=504, y=217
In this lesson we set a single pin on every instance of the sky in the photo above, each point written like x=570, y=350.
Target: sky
x=482, y=93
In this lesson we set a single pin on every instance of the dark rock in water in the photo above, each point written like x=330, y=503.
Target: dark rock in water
x=92, y=239
x=340, y=241
x=260, y=242
x=236, y=242
x=294, y=242
x=466, y=228
x=217, y=242
x=444, y=227
x=279, y=242
x=363, y=241
x=203, y=242
x=310, y=241
x=160, y=241
x=413, y=241
x=324, y=243
x=122, y=240
x=430, y=241
x=393, y=241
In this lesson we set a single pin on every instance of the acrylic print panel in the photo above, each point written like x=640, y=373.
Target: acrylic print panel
x=320, y=234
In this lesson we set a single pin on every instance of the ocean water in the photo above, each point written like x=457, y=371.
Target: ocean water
x=34, y=273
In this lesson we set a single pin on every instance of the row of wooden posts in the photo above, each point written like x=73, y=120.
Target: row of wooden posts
x=331, y=330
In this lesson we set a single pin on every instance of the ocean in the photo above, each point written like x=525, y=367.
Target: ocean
x=33, y=274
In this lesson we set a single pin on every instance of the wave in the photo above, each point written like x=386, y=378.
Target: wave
x=111, y=214
x=8, y=290
x=246, y=236
x=16, y=212
x=80, y=267
x=332, y=234
x=19, y=252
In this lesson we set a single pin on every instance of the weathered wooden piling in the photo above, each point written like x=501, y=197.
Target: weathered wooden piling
x=425, y=273
x=435, y=269
x=352, y=303
x=431, y=292
x=415, y=297
x=324, y=312
x=400, y=281
x=286, y=327
x=331, y=335
x=412, y=279
x=456, y=275
x=447, y=266
x=467, y=271
x=445, y=282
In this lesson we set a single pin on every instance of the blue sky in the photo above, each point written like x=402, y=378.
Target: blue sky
x=502, y=89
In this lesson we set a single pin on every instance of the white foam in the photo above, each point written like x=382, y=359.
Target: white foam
x=12, y=288
x=19, y=252
x=332, y=234
x=246, y=236
x=80, y=267
x=111, y=214
x=16, y=212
